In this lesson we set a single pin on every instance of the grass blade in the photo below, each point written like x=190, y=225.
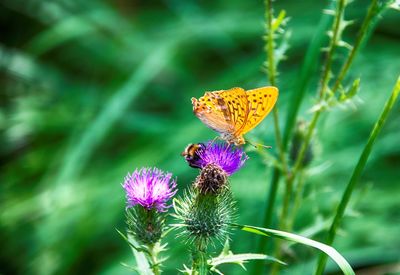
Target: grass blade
x=357, y=172
x=330, y=251
x=241, y=258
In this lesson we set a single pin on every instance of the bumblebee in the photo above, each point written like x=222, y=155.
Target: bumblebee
x=191, y=154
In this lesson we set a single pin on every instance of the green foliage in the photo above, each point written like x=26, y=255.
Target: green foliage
x=141, y=254
x=355, y=178
x=93, y=89
x=227, y=256
x=330, y=251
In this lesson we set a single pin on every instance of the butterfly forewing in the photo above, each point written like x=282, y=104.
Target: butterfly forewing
x=221, y=110
x=260, y=103
x=235, y=100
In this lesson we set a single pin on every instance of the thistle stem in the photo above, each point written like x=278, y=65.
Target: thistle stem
x=357, y=173
x=153, y=259
x=199, y=266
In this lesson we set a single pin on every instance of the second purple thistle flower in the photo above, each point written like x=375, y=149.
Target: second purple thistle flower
x=228, y=157
x=150, y=188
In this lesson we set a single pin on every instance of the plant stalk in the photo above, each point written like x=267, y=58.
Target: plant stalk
x=309, y=67
x=361, y=36
x=199, y=266
x=153, y=259
x=283, y=224
x=298, y=193
x=324, y=84
x=357, y=173
x=326, y=76
x=270, y=47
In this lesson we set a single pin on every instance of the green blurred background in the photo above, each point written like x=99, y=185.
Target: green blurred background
x=93, y=89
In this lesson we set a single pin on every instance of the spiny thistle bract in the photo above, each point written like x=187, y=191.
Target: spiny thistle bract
x=207, y=209
x=204, y=217
x=147, y=192
x=146, y=225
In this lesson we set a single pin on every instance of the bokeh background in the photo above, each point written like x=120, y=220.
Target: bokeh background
x=93, y=89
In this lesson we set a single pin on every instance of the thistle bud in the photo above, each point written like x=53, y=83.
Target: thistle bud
x=205, y=216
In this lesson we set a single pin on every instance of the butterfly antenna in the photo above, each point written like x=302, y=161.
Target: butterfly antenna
x=257, y=145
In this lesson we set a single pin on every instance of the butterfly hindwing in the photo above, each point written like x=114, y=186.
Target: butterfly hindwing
x=260, y=103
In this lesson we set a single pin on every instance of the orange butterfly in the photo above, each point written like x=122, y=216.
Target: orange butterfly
x=234, y=112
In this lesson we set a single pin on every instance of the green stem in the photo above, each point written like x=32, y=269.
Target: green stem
x=332, y=46
x=297, y=199
x=283, y=224
x=305, y=144
x=153, y=259
x=316, y=115
x=199, y=266
x=324, y=83
x=270, y=43
x=361, y=36
x=357, y=173
x=309, y=66
x=279, y=143
x=271, y=197
x=270, y=48
x=307, y=71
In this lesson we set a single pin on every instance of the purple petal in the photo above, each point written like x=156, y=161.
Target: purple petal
x=229, y=157
x=150, y=188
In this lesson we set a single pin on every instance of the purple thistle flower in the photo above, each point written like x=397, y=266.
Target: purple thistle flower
x=150, y=188
x=229, y=157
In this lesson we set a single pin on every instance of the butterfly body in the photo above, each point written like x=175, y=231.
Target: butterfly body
x=234, y=112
